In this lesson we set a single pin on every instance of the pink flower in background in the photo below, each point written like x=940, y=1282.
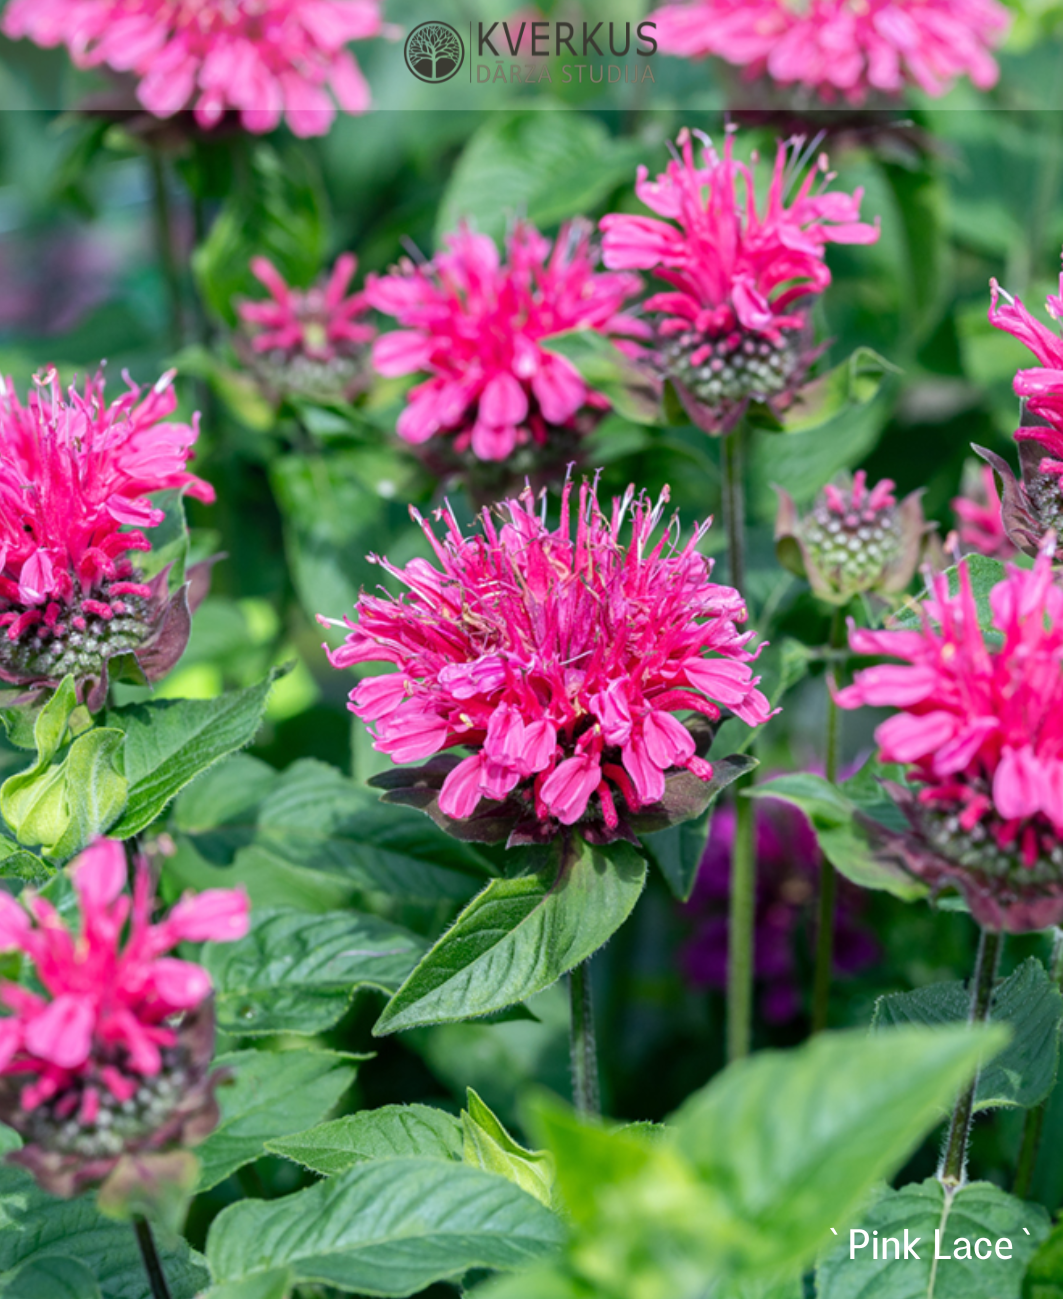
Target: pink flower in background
x=264, y=58
x=979, y=511
x=308, y=341
x=474, y=324
x=980, y=728
x=787, y=873
x=735, y=324
x=95, y=1062
x=75, y=474
x=843, y=49
x=559, y=660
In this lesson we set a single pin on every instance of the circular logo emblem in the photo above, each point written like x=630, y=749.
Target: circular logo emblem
x=434, y=52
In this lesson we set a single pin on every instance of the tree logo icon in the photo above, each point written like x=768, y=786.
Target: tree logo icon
x=434, y=52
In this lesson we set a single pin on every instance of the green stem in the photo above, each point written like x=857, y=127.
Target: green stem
x=1034, y=1123
x=952, y=1172
x=582, y=1046
x=740, y=930
x=150, y=1255
x=734, y=505
x=165, y=245
x=828, y=876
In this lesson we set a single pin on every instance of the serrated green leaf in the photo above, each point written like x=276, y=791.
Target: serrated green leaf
x=391, y=1132
x=1027, y=1001
x=520, y=935
x=843, y=839
x=985, y=573
x=387, y=1228
x=35, y=1226
x=55, y=1277
x=487, y=1145
x=797, y=1139
x=271, y=1095
x=296, y=973
x=975, y=1211
x=319, y=820
x=168, y=742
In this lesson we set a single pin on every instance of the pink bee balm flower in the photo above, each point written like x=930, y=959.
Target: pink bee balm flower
x=979, y=512
x=308, y=341
x=475, y=325
x=735, y=325
x=112, y=1054
x=560, y=661
x=843, y=49
x=263, y=58
x=75, y=474
x=980, y=729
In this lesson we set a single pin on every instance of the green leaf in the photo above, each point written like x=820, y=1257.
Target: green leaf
x=489, y=1146
x=319, y=820
x=796, y=1139
x=35, y=1227
x=391, y=1132
x=218, y=810
x=853, y=383
x=271, y=1095
x=62, y=804
x=1044, y=1276
x=297, y=973
x=520, y=935
x=974, y=1212
x=55, y=1277
x=168, y=742
x=388, y=1228
x=18, y=864
x=607, y=370
x=985, y=573
x=842, y=837
x=276, y=210
x=549, y=167
x=678, y=851
x=275, y=1284
x=1027, y=1001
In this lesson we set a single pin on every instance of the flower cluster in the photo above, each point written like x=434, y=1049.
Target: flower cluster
x=788, y=860
x=981, y=731
x=560, y=660
x=842, y=49
x=735, y=326
x=856, y=539
x=476, y=324
x=979, y=511
x=309, y=342
x=1033, y=502
x=112, y=1055
x=264, y=58
x=74, y=478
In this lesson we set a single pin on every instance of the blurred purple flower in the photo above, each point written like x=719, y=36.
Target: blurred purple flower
x=787, y=883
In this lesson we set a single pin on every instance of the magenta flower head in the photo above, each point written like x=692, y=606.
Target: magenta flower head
x=856, y=539
x=108, y=1052
x=307, y=342
x=979, y=513
x=75, y=474
x=265, y=59
x=1033, y=502
x=980, y=729
x=735, y=326
x=842, y=49
x=475, y=325
x=559, y=661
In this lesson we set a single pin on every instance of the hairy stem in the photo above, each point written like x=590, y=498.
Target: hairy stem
x=165, y=244
x=582, y=1045
x=828, y=876
x=952, y=1172
x=150, y=1255
x=734, y=504
x=741, y=927
x=1034, y=1123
